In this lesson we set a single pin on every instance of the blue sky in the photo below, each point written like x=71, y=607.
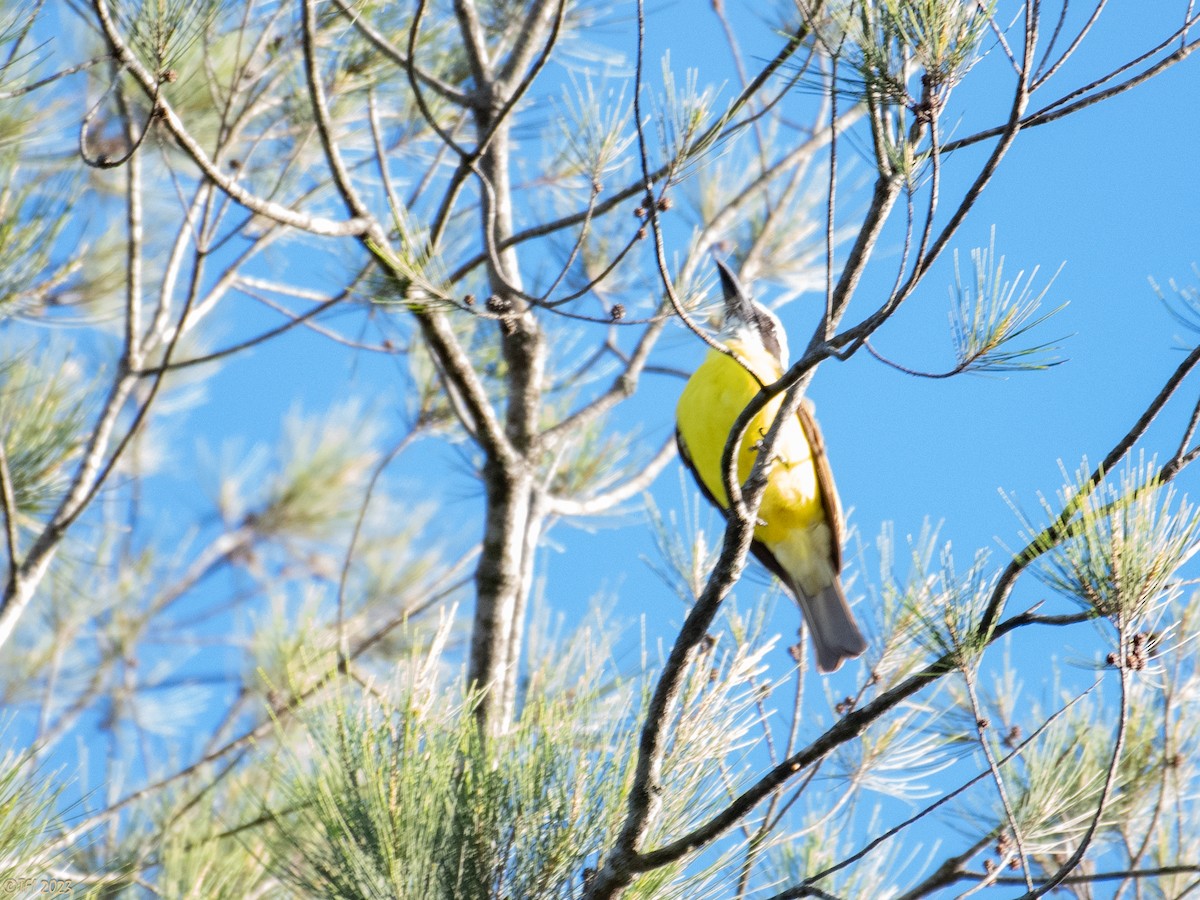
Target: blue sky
x=1108, y=193
x=1105, y=193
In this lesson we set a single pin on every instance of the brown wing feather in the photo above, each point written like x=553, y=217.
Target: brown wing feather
x=829, y=494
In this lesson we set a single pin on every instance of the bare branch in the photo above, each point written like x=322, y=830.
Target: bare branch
x=1063, y=106
x=8, y=505
x=1132, y=874
x=997, y=778
x=452, y=360
x=623, y=386
x=565, y=506
x=719, y=130
x=393, y=53
x=167, y=115
x=134, y=245
x=50, y=79
x=475, y=44
x=343, y=647
x=1109, y=781
x=1045, y=76
x=239, y=746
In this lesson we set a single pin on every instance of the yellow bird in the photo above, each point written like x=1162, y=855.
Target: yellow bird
x=799, y=535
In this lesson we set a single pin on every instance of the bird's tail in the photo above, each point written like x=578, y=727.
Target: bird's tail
x=835, y=633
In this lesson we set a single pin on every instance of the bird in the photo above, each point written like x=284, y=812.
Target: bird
x=800, y=526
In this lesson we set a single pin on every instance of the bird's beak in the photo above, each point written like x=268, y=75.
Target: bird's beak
x=743, y=315
x=738, y=307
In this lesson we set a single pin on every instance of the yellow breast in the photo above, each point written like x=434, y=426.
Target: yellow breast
x=714, y=397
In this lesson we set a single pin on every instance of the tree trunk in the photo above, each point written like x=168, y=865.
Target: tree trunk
x=499, y=587
x=502, y=579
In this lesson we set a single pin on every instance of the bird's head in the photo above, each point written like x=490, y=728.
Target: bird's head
x=750, y=324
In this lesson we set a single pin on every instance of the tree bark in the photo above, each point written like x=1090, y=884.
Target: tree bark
x=502, y=581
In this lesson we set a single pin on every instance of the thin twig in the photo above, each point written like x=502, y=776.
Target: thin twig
x=384, y=46
x=452, y=359
x=946, y=798
x=168, y=117
x=1042, y=78
x=1110, y=779
x=1188, y=432
x=603, y=502
x=132, y=358
x=342, y=640
x=1100, y=877
x=50, y=79
x=240, y=745
x=8, y=505
x=719, y=130
x=998, y=779
x=1062, y=107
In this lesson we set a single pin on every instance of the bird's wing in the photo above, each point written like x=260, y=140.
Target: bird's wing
x=829, y=494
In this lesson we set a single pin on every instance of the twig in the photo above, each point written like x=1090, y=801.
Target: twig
x=1109, y=780
x=827, y=319
x=50, y=79
x=1099, y=877
x=384, y=46
x=381, y=162
x=342, y=642
x=1041, y=78
x=307, y=322
x=1062, y=107
x=133, y=245
x=946, y=798
x=133, y=139
x=947, y=873
x=168, y=116
x=623, y=386
x=1054, y=532
x=994, y=768
x=452, y=359
x=852, y=337
x=599, y=503
x=720, y=129
x=241, y=744
x=8, y=505
x=1189, y=432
